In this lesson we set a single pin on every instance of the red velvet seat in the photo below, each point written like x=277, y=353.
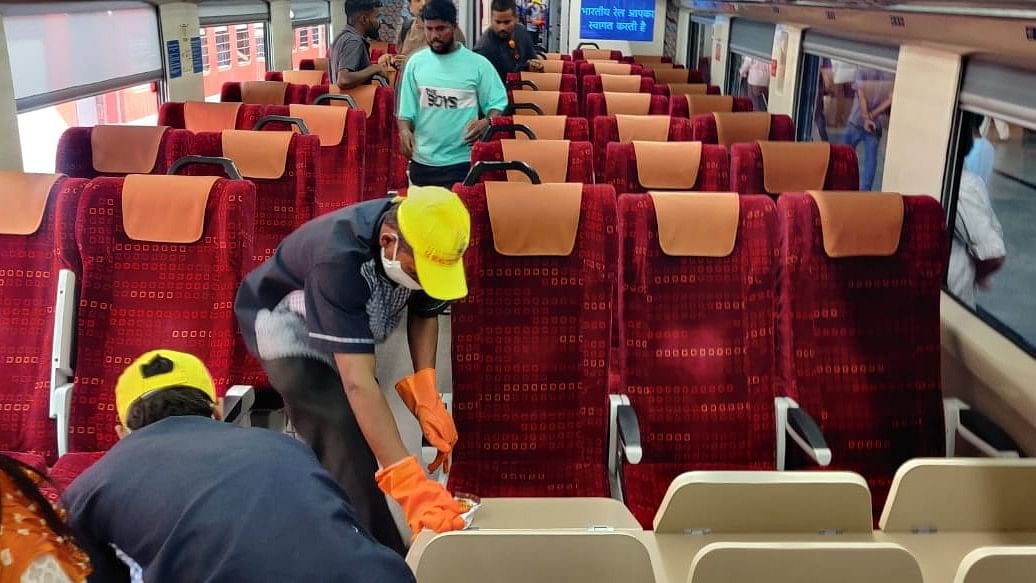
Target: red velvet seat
x=36, y=241
x=263, y=92
x=705, y=129
x=542, y=81
x=596, y=54
x=306, y=77
x=627, y=128
x=860, y=331
x=749, y=174
x=697, y=340
x=617, y=83
x=571, y=128
x=599, y=104
x=550, y=102
x=622, y=167
x=680, y=105
x=544, y=156
x=166, y=283
x=530, y=343
x=341, y=166
x=201, y=116
x=119, y=150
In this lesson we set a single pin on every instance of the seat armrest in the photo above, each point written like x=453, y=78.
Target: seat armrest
x=976, y=429
x=796, y=423
x=629, y=434
x=237, y=405
x=61, y=411
x=61, y=372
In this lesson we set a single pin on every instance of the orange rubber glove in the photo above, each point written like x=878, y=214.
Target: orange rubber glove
x=425, y=503
x=422, y=398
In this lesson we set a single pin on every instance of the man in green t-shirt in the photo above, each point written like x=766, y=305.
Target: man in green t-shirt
x=447, y=97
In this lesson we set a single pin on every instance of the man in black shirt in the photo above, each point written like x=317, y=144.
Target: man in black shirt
x=508, y=46
x=189, y=498
x=349, y=60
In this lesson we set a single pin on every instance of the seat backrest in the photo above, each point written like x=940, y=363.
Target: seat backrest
x=550, y=102
x=672, y=90
x=543, y=556
x=119, y=150
x=545, y=127
x=776, y=167
x=307, y=77
x=596, y=54
x=284, y=168
x=536, y=322
x=598, y=104
x=627, y=128
x=697, y=303
x=201, y=116
x=744, y=502
x=340, y=165
x=378, y=102
x=563, y=66
x=617, y=84
x=310, y=64
x=553, y=160
x=263, y=92
x=737, y=127
x=161, y=268
x=689, y=105
x=859, y=326
x=673, y=75
x=542, y=81
x=702, y=167
x=996, y=564
x=37, y=239
x=797, y=562
x=962, y=495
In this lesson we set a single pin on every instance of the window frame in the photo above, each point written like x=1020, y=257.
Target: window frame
x=243, y=57
x=220, y=65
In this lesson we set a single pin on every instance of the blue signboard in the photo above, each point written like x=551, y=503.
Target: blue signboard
x=173, y=59
x=196, y=54
x=623, y=20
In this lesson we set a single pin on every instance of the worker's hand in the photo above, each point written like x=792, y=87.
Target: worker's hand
x=398, y=61
x=869, y=125
x=406, y=144
x=475, y=129
x=385, y=60
x=425, y=503
x=536, y=66
x=419, y=394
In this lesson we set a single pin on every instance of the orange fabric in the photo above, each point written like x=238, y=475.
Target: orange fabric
x=655, y=167
x=426, y=504
x=165, y=209
x=362, y=94
x=549, y=158
x=648, y=59
x=125, y=149
x=419, y=394
x=199, y=116
x=740, y=127
x=860, y=224
x=553, y=66
x=326, y=122
x=26, y=536
x=702, y=104
x=546, y=127
x=621, y=83
x=257, y=154
x=314, y=77
x=544, y=81
x=534, y=219
x=321, y=64
x=597, y=54
x=553, y=56
x=646, y=128
x=612, y=68
x=697, y=224
x=263, y=92
x=24, y=200
x=627, y=103
x=547, y=100
x=670, y=75
x=794, y=166
x=689, y=89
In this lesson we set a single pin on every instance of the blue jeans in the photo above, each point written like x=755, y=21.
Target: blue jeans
x=855, y=134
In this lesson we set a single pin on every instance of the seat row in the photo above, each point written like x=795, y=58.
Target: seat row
x=737, y=321
x=594, y=104
x=945, y=521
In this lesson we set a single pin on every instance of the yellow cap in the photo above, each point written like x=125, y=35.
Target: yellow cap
x=437, y=227
x=157, y=370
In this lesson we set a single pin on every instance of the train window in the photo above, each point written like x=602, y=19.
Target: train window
x=310, y=43
x=236, y=66
x=750, y=77
x=244, y=44
x=992, y=201
x=41, y=129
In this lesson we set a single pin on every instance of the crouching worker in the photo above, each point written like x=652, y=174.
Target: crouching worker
x=189, y=498
x=313, y=313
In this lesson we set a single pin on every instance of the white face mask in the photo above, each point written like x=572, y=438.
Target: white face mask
x=394, y=269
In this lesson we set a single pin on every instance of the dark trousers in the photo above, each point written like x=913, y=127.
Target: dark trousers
x=444, y=176
x=316, y=405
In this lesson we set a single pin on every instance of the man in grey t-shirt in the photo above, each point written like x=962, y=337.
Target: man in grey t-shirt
x=349, y=60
